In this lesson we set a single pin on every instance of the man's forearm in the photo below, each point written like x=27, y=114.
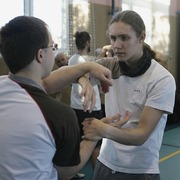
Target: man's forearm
x=86, y=149
x=63, y=76
x=68, y=74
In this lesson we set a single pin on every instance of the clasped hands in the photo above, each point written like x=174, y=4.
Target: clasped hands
x=95, y=129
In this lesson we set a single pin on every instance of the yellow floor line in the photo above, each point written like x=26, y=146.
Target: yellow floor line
x=169, y=156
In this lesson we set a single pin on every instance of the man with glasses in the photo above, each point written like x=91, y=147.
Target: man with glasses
x=39, y=137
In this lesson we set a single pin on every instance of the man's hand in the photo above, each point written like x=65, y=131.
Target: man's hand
x=88, y=93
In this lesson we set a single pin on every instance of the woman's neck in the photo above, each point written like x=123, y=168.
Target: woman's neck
x=134, y=61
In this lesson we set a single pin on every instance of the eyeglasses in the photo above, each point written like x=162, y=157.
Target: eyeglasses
x=54, y=47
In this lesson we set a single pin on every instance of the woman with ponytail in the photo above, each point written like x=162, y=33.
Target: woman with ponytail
x=142, y=87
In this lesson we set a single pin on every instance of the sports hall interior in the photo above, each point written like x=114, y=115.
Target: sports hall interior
x=162, y=20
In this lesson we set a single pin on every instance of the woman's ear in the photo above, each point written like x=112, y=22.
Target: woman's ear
x=142, y=36
x=87, y=44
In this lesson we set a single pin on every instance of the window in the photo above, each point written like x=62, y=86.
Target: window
x=10, y=13
x=155, y=14
x=55, y=14
x=17, y=10
x=64, y=17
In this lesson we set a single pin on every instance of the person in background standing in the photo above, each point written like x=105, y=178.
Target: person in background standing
x=61, y=59
x=83, y=42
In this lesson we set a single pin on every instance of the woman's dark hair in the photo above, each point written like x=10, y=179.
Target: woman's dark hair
x=20, y=40
x=81, y=39
x=136, y=22
x=131, y=18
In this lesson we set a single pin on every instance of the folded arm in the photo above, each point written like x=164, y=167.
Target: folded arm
x=64, y=76
x=128, y=136
x=68, y=74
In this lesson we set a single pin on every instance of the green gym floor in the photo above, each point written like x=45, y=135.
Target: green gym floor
x=169, y=161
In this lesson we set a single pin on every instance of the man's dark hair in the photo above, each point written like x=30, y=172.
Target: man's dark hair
x=20, y=40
